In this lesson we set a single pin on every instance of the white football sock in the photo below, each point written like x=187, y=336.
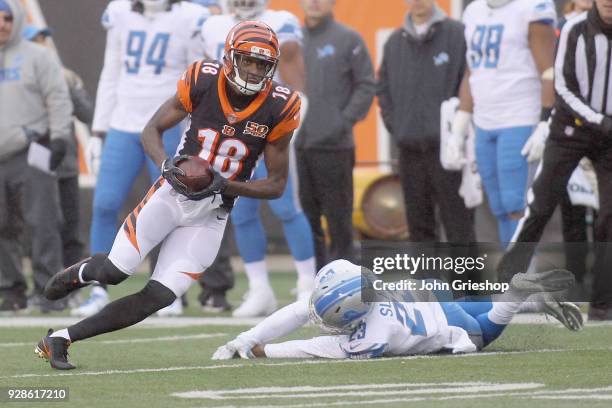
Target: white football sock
x=506, y=305
x=306, y=269
x=503, y=312
x=61, y=333
x=257, y=273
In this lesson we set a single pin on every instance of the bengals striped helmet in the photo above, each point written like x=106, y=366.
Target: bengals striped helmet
x=250, y=43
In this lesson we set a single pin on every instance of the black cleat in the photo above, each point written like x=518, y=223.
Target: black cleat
x=62, y=283
x=55, y=351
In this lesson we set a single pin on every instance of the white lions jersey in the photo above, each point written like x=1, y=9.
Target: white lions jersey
x=399, y=329
x=504, y=80
x=144, y=58
x=389, y=329
x=215, y=30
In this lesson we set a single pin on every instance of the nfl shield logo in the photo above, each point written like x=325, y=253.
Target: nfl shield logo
x=231, y=119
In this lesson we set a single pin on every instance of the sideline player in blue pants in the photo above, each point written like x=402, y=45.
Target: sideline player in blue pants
x=508, y=86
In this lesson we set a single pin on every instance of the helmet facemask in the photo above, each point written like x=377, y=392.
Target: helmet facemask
x=245, y=81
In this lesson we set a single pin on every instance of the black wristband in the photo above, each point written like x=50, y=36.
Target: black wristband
x=545, y=114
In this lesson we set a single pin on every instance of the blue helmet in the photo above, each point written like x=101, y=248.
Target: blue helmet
x=335, y=303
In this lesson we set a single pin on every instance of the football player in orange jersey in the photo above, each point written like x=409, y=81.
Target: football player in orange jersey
x=237, y=113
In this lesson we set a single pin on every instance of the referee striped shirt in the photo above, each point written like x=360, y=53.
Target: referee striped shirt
x=583, y=74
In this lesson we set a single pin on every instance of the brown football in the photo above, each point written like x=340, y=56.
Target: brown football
x=198, y=173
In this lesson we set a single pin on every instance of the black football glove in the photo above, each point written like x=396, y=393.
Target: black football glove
x=170, y=171
x=58, y=151
x=216, y=186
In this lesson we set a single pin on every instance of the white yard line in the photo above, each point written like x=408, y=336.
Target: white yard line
x=346, y=387
x=575, y=397
x=374, y=401
x=128, y=341
x=27, y=321
x=292, y=363
x=154, y=321
x=220, y=394
x=580, y=394
x=64, y=321
x=574, y=391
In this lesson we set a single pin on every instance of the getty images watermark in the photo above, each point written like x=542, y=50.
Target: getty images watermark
x=429, y=268
x=446, y=272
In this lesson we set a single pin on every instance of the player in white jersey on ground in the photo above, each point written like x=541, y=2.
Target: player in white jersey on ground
x=249, y=231
x=148, y=45
x=393, y=328
x=510, y=52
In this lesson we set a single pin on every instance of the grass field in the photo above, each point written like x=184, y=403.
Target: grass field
x=531, y=365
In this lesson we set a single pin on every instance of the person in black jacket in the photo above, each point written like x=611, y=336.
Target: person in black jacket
x=581, y=127
x=423, y=63
x=340, y=87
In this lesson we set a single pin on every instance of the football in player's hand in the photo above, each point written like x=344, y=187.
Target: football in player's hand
x=198, y=173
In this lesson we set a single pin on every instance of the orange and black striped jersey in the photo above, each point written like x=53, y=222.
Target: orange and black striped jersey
x=232, y=141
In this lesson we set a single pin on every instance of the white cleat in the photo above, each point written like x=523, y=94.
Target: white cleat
x=174, y=309
x=567, y=313
x=257, y=302
x=98, y=298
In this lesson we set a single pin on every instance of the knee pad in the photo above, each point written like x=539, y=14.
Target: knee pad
x=155, y=296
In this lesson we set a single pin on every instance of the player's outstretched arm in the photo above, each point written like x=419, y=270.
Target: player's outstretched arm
x=281, y=323
x=276, y=159
x=167, y=116
x=317, y=347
